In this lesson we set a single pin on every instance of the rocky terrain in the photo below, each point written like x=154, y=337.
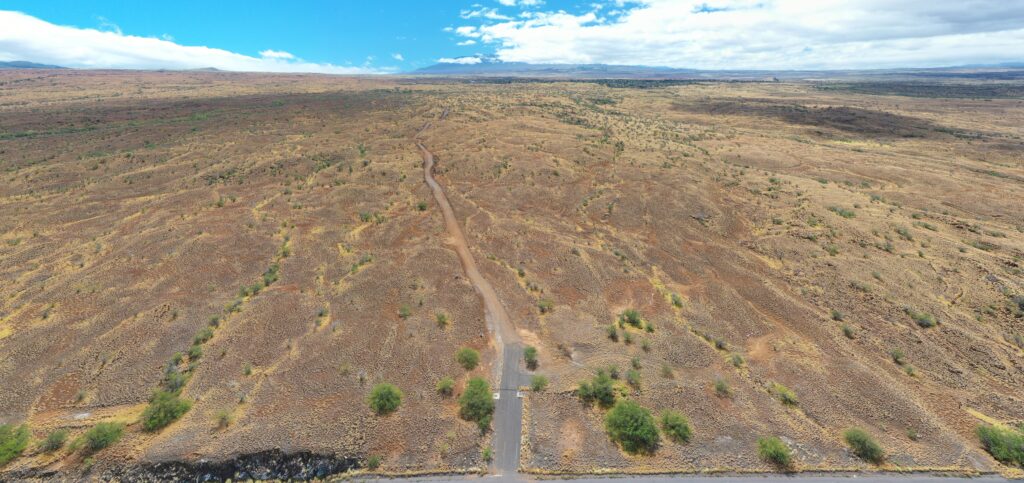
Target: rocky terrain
x=792, y=259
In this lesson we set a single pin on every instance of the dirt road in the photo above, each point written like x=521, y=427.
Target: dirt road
x=508, y=415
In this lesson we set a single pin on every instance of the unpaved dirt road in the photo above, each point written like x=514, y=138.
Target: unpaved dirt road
x=508, y=417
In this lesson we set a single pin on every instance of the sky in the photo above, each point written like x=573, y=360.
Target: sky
x=380, y=36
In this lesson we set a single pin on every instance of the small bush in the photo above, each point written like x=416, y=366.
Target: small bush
x=923, y=319
x=630, y=317
x=538, y=383
x=164, y=408
x=774, y=451
x=633, y=378
x=13, y=440
x=446, y=386
x=863, y=445
x=632, y=427
x=848, y=331
x=373, y=462
x=467, y=358
x=103, y=435
x=487, y=454
x=1004, y=444
x=785, y=394
x=545, y=305
x=898, y=356
x=421, y=206
x=476, y=403
x=385, y=398
x=676, y=426
x=224, y=418
x=530, y=356
x=404, y=311
x=613, y=333
x=599, y=390
x=195, y=352
x=442, y=319
x=837, y=315
x=722, y=388
x=54, y=441
x=203, y=336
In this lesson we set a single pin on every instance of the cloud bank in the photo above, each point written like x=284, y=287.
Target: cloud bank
x=763, y=34
x=24, y=37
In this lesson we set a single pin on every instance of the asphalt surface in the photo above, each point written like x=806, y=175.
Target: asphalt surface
x=725, y=478
x=508, y=420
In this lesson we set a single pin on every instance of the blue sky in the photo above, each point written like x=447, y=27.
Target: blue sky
x=379, y=36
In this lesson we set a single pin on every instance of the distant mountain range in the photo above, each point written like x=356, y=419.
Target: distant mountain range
x=491, y=67
x=21, y=64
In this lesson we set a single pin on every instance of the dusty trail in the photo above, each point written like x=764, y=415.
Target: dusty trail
x=507, y=345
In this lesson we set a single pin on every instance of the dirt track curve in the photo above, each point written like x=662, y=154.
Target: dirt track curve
x=509, y=408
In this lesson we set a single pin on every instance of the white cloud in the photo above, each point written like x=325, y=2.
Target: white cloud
x=765, y=34
x=521, y=3
x=467, y=42
x=23, y=37
x=487, y=13
x=398, y=57
x=276, y=54
x=460, y=60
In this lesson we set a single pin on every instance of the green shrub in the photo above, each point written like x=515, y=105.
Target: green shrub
x=446, y=386
x=632, y=427
x=164, y=408
x=545, y=305
x=195, y=352
x=923, y=319
x=785, y=394
x=722, y=388
x=373, y=462
x=223, y=418
x=538, y=383
x=1004, y=444
x=54, y=441
x=676, y=426
x=613, y=333
x=404, y=311
x=530, y=356
x=385, y=398
x=467, y=358
x=600, y=389
x=864, y=446
x=773, y=450
x=633, y=378
x=630, y=317
x=487, y=454
x=442, y=319
x=476, y=403
x=13, y=440
x=204, y=335
x=103, y=435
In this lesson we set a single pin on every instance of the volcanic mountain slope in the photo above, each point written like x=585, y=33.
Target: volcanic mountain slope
x=857, y=255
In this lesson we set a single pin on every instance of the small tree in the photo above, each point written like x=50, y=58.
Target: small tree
x=1004, y=444
x=530, y=356
x=13, y=440
x=103, y=435
x=631, y=317
x=476, y=403
x=632, y=427
x=676, y=426
x=164, y=408
x=864, y=446
x=774, y=451
x=467, y=358
x=385, y=398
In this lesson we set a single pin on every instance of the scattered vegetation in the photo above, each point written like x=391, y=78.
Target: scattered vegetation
x=103, y=435
x=864, y=446
x=385, y=399
x=632, y=427
x=675, y=426
x=600, y=390
x=446, y=386
x=476, y=403
x=772, y=450
x=467, y=358
x=54, y=441
x=923, y=319
x=13, y=440
x=785, y=394
x=1005, y=444
x=538, y=383
x=530, y=356
x=164, y=408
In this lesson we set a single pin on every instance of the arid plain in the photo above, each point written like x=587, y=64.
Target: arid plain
x=803, y=258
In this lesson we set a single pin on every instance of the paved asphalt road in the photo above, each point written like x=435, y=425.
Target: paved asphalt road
x=760, y=478
x=508, y=424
